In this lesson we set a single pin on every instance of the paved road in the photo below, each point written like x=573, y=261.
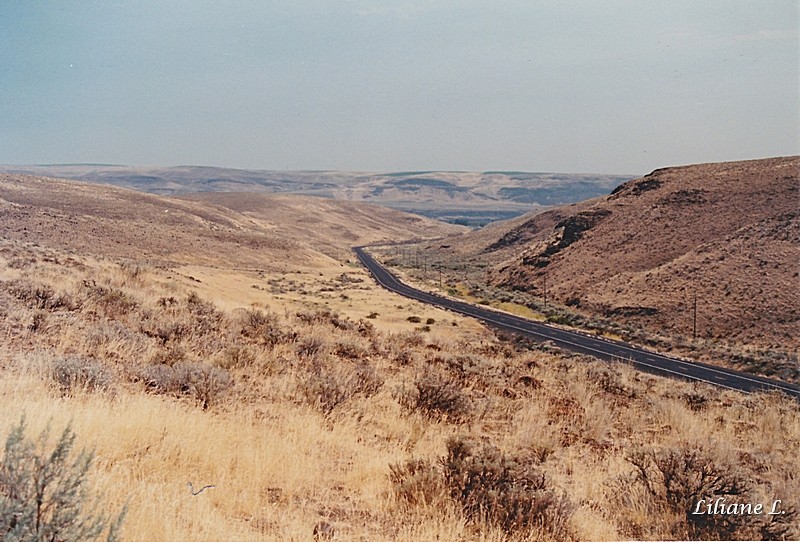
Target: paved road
x=598, y=347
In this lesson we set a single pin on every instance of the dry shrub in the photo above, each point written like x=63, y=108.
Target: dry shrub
x=367, y=381
x=696, y=400
x=365, y=329
x=310, y=346
x=609, y=379
x=206, y=318
x=264, y=328
x=171, y=355
x=501, y=490
x=40, y=296
x=437, y=397
x=350, y=350
x=76, y=373
x=404, y=357
x=326, y=389
x=203, y=382
x=410, y=340
x=236, y=356
x=489, y=487
x=417, y=482
x=676, y=479
x=111, y=302
x=326, y=317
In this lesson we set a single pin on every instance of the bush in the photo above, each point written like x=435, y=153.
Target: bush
x=74, y=373
x=39, y=296
x=326, y=390
x=310, y=346
x=609, y=379
x=263, y=329
x=436, y=397
x=676, y=479
x=43, y=495
x=417, y=482
x=504, y=491
x=489, y=487
x=414, y=319
x=202, y=381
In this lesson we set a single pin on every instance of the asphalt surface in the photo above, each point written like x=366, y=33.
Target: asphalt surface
x=582, y=343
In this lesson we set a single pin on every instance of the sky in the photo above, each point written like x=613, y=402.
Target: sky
x=613, y=86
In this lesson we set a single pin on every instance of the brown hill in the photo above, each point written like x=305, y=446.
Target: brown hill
x=728, y=233
x=460, y=197
x=263, y=229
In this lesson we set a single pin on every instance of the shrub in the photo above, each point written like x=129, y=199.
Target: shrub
x=114, y=303
x=203, y=382
x=608, y=379
x=676, y=479
x=501, y=490
x=263, y=329
x=414, y=319
x=350, y=350
x=206, y=383
x=326, y=390
x=73, y=373
x=310, y=346
x=366, y=380
x=43, y=496
x=39, y=296
x=417, y=482
x=436, y=397
x=489, y=487
x=560, y=319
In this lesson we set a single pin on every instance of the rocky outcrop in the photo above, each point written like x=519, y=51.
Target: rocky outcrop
x=567, y=232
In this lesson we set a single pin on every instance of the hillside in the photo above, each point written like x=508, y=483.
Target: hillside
x=728, y=233
x=266, y=230
x=460, y=197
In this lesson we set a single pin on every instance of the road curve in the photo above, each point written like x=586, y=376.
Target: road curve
x=581, y=343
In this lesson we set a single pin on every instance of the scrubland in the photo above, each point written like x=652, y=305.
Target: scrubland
x=385, y=423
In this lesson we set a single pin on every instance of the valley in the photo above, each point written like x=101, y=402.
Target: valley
x=233, y=340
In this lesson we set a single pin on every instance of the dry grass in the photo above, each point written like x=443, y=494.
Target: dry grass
x=322, y=407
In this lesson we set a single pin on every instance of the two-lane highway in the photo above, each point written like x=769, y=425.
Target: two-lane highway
x=574, y=341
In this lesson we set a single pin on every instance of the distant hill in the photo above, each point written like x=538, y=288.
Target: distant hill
x=460, y=197
x=237, y=229
x=727, y=233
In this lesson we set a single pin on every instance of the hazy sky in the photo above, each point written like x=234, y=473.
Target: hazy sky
x=613, y=86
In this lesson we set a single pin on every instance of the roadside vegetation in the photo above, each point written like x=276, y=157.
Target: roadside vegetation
x=466, y=279
x=310, y=420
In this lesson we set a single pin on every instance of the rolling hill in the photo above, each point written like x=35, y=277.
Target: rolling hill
x=727, y=233
x=460, y=197
x=265, y=229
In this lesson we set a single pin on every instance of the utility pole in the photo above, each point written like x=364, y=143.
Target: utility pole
x=694, y=319
x=440, y=275
x=545, y=290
